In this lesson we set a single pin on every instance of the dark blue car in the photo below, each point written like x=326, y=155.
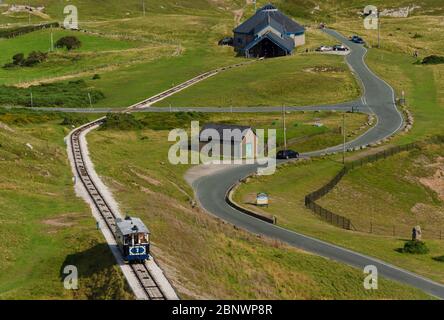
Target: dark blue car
x=357, y=39
x=287, y=154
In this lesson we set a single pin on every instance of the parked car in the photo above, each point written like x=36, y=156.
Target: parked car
x=324, y=48
x=227, y=41
x=357, y=39
x=287, y=154
x=340, y=47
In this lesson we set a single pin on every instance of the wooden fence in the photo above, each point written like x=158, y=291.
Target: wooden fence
x=373, y=228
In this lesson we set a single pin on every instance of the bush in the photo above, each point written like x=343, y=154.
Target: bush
x=74, y=120
x=433, y=59
x=68, y=42
x=121, y=121
x=169, y=121
x=19, y=60
x=440, y=258
x=34, y=58
x=415, y=247
x=96, y=77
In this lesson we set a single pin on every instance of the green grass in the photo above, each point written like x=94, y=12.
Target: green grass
x=274, y=82
x=96, y=53
x=69, y=94
x=302, y=134
x=384, y=191
x=391, y=193
x=229, y=263
x=44, y=225
x=172, y=51
x=287, y=189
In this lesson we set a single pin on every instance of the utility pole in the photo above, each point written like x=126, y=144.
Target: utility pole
x=143, y=6
x=29, y=13
x=285, y=127
x=90, y=100
x=32, y=101
x=343, y=133
x=379, y=30
x=52, y=41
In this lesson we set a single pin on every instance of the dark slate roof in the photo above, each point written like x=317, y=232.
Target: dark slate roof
x=131, y=225
x=285, y=43
x=220, y=129
x=269, y=22
x=267, y=14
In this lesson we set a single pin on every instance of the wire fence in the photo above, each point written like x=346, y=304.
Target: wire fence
x=15, y=32
x=373, y=228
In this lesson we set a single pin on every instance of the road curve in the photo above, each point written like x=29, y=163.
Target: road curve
x=379, y=98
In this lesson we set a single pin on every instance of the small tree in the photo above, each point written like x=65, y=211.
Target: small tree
x=69, y=42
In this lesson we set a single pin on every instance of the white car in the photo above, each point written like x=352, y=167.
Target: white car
x=324, y=48
x=340, y=47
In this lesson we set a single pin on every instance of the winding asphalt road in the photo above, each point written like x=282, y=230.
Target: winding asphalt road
x=378, y=98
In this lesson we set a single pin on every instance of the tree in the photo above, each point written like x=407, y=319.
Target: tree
x=68, y=42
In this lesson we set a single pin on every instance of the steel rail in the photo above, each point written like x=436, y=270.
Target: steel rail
x=146, y=281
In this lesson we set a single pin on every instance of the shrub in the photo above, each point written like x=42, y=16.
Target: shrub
x=169, y=121
x=96, y=77
x=34, y=58
x=69, y=42
x=415, y=247
x=121, y=121
x=440, y=258
x=433, y=59
x=74, y=120
x=18, y=59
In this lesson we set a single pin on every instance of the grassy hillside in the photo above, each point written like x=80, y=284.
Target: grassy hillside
x=294, y=81
x=395, y=63
x=288, y=187
x=151, y=53
x=402, y=191
x=44, y=226
x=221, y=262
x=388, y=192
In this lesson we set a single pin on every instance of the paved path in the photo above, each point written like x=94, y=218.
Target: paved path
x=379, y=98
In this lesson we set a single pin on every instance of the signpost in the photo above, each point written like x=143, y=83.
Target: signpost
x=262, y=199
